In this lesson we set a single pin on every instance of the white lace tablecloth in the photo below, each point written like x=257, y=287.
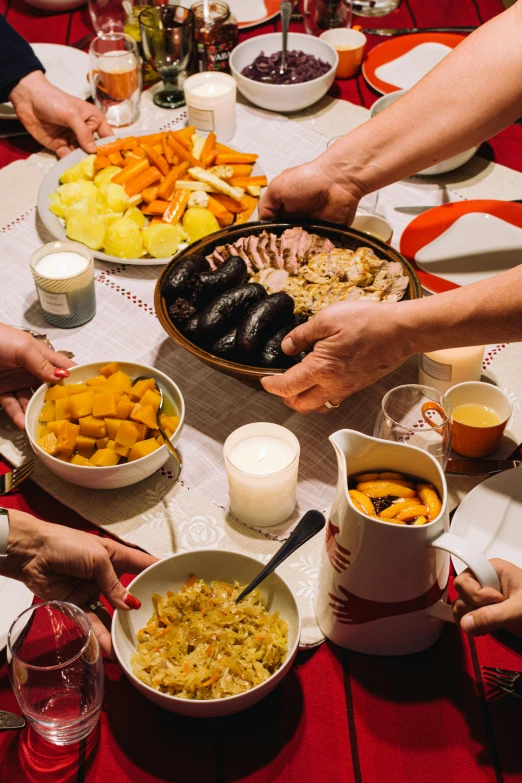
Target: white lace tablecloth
x=159, y=515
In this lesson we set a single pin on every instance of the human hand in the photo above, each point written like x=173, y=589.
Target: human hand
x=58, y=563
x=58, y=121
x=480, y=610
x=314, y=190
x=25, y=362
x=354, y=344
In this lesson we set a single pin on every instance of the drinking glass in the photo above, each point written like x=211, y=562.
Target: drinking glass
x=107, y=16
x=115, y=77
x=419, y=416
x=321, y=15
x=374, y=7
x=167, y=36
x=56, y=671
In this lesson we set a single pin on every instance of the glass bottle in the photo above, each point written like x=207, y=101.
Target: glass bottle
x=216, y=35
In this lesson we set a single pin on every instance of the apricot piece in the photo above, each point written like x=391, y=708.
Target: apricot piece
x=84, y=443
x=118, y=381
x=48, y=443
x=145, y=414
x=124, y=407
x=143, y=448
x=62, y=408
x=101, y=443
x=109, y=369
x=80, y=405
x=67, y=435
x=112, y=426
x=139, y=388
x=104, y=458
x=54, y=426
x=151, y=398
x=48, y=412
x=104, y=404
x=79, y=460
x=93, y=428
x=123, y=451
x=54, y=393
x=98, y=380
x=127, y=434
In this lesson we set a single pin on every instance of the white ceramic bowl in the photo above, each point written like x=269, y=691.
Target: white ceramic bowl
x=171, y=574
x=283, y=97
x=439, y=168
x=114, y=476
x=373, y=225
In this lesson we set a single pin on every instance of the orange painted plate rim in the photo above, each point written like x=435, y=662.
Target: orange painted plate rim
x=427, y=227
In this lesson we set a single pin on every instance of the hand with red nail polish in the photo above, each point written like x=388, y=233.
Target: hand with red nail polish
x=25, y=363
x=56, y=562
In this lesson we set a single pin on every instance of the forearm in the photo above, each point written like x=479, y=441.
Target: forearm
x=26, y=535
x=17, y=59
x=474, y=93
x=482, y=313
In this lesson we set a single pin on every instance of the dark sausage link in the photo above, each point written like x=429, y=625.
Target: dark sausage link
x=262, y=321
x=179, y=278
x=226, y=345
x=208, y=285
x=227, y=310
x=272, y=354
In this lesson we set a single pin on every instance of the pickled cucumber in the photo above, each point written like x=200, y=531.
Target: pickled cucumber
x=198, y=222
x=112, y=198
x=87, y=229
x=123, y=239
x=161, y=241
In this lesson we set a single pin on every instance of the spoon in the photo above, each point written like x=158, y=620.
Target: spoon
x=166, y=438
x=286, y=13
x=310, y=524
x=8, y=720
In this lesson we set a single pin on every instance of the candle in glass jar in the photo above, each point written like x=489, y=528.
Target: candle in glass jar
x=262, y=461
x=211, y=103
x=63, y=273
x=445, y=368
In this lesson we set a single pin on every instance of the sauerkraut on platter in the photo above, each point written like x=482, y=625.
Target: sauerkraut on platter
x=199, y=644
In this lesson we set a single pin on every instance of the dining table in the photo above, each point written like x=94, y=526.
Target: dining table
x=339, y=715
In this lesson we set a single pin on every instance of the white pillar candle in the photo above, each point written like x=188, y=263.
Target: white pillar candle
x=63, y=273
x=445, y=368
x=211, y=103
x=262, y=461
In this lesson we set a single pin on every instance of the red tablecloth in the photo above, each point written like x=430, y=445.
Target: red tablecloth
x=338, y=716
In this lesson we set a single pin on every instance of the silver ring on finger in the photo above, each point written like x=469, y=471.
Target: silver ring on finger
x=331, y=406
x=95, y=606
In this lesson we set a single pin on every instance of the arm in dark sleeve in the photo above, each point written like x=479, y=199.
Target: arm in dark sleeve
x=17, y=59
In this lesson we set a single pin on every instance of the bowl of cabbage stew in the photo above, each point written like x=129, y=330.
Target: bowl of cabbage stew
x=308, y=56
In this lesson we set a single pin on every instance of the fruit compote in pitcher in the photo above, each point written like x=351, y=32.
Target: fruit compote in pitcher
x=382, y=585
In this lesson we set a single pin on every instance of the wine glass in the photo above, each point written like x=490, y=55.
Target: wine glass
x=56, y=671
x=321, y=15
x=107, y=16
x=419, y=416
x=167, y=36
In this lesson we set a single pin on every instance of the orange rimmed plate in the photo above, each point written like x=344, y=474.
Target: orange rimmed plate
x=249, y=13
x=401, y=62
x=463, y=242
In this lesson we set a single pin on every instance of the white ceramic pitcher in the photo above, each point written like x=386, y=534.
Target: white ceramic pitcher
x=382, y=586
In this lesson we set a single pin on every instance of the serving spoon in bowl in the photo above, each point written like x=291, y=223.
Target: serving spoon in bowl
x=310, y=524
x=286, y=12
x=168, y=444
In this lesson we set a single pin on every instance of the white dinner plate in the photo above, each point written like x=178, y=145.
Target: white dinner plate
x=56, y=226
x=65, y=67
x=490, y=518
x=15, y=597
x=249, y=13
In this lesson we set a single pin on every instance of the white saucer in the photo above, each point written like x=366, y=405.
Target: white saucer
x=490, y=518
x=65, y=67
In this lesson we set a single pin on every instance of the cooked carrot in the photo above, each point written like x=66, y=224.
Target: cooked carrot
x=168, y=152
x=155, y=159
x=243, y=182
x=184, y=136
x=217, y=209
x=241, y=170
x=181, y=152
x=222, y=148
x=152, y=138
x=156, y=221
x=186, y=668
x=101, y=162
x=235, y=157
x=210, y=680
x=229, y=203
x=134, y=169
x=226, y=220
x=116, y=159
x=108, y=149
x=168, y=186
x=143, y=181
x=155, y=207
x=150, y=194
x=129, y=143
x=129, y=160
x=246, y=214
x=176, y=206
x=207, y=153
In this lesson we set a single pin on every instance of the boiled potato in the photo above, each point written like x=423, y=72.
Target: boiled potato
x=87, y=206
x=123, y=239
x=72, y=174
x=56, y=205
x=110, y=217
x=198, y=222
x=88, y=229
x=88, y=167
x=161, y=241
x=134, y=200
x=76, y=191
x=137, y=216
x=112, y=198
x=104, y=176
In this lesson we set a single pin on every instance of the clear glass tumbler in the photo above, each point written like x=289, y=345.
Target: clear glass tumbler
x=167, y=37
x=418, y=416
x=374, y=7
x=322, y=15
x=107, y=16
x=115, y=77
x=56, y=671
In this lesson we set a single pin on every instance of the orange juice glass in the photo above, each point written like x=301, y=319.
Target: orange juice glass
x=349, y=45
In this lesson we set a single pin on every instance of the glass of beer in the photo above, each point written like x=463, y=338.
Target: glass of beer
x=115, y=77
x=167, y=36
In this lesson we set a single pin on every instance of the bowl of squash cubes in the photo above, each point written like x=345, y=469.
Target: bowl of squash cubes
x=101, y=427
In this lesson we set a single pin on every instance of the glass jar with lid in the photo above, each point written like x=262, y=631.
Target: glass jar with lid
x=216, y=34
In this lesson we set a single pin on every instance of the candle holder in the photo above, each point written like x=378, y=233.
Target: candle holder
x=211, y=103
x=262, y=499
x=65, y=286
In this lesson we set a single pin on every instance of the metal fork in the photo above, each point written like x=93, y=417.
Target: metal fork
x=503, y=682
x=14, y=478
